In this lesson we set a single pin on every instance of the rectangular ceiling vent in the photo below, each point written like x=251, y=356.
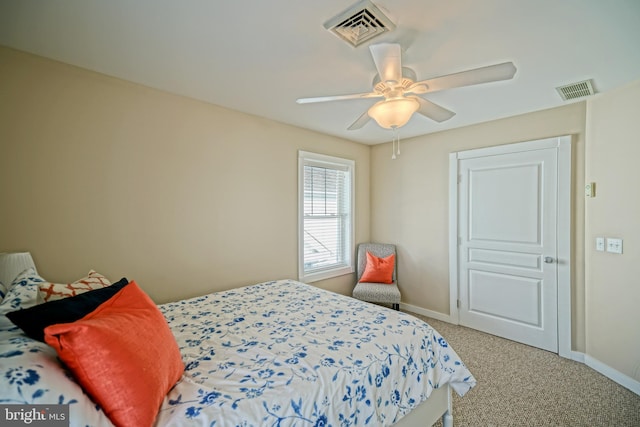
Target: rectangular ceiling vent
x=359, y=23
x=576, y=90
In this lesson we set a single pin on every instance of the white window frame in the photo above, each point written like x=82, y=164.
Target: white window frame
x=306, y=158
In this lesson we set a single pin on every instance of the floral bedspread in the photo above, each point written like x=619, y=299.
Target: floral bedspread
x=288, y=354
x=274, y=354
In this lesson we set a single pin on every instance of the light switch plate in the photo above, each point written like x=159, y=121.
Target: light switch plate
x=614, y=245
x=600, y=244
x=590, y=189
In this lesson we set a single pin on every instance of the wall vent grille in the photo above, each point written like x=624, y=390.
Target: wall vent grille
x=576, y=90
x=359, y=23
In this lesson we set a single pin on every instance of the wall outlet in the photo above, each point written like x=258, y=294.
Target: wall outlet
x=614, y=245
x=600, y=244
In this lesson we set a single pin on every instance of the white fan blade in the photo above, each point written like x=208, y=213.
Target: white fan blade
x=338, y=97
x=491, y=73
x=417, y=88
x=433, y=111
x=387, y=57
x=362, y=120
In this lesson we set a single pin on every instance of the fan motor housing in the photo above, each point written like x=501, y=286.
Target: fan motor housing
x=408, y=78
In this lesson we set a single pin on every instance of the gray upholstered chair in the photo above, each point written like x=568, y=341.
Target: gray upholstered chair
x=377, y=292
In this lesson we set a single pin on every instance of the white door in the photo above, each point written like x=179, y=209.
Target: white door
x=507, y=246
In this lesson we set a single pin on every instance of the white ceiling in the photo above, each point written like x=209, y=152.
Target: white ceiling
x=259, y=56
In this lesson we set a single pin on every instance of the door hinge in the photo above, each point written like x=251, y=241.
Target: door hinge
x=459, y=179
x=458, y=303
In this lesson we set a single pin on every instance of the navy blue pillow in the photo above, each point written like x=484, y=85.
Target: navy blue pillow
x=34, y=319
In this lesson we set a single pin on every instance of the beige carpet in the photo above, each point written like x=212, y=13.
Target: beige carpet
x=520, y=385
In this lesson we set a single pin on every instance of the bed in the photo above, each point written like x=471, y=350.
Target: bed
x=279, y=353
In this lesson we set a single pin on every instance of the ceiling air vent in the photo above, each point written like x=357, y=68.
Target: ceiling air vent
x=359, y=23
x=576, y=90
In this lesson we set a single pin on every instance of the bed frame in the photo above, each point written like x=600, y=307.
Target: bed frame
x=438, y=405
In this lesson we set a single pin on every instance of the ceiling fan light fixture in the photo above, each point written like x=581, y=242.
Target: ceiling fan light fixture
x=393, y=113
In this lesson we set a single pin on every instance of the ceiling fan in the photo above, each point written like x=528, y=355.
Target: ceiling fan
x=398, y=86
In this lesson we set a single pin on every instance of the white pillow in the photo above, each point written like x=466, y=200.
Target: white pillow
x=3, y=290
x=23, y=293
x=12, y=264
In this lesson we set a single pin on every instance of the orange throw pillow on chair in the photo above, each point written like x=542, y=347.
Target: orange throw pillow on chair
x=378, y=270
x=123, y=354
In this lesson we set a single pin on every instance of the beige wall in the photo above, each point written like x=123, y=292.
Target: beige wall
x=188, y=198
x=612, y=281
x=409, y=202
x=182, y=196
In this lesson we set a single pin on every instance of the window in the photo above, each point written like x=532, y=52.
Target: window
x=325, y=222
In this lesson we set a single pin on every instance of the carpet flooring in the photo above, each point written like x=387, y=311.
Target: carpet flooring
x=519, y=385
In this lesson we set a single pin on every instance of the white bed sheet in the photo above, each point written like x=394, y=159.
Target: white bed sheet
x=274, y=354
x=285, y=353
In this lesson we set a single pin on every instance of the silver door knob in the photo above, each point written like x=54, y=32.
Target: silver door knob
x=548, y=259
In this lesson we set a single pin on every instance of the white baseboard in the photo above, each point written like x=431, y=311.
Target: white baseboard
x=622, y=379
x=577, y=356
x=429, y=313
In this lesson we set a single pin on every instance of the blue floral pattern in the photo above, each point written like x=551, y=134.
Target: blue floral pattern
x=3, y=291
x=285, y=353
x=30, y=372
x=274, y=354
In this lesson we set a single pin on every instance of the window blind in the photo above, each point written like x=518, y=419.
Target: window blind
x=326, y=217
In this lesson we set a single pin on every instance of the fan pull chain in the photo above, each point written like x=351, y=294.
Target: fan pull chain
x=393, y=148
x=396, y=139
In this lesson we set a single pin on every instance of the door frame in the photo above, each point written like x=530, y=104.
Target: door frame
x=564, y=224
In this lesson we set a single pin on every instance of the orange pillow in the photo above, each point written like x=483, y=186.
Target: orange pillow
x=123, y=354
x=378, y=270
